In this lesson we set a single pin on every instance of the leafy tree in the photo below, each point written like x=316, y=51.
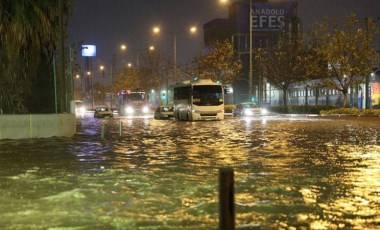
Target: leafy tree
x=342, y=52
x=282, y=63
x=218, y=62
x=126, y=79
x=154, y=71
x=29, y=31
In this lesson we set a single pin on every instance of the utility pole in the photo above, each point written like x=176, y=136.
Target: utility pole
x=62, y=81
x=251, y=92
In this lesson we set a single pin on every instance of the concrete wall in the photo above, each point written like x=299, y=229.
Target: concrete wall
x=37, y=126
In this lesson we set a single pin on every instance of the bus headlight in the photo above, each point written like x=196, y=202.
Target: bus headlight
x=129, y=110
x=264, y=111
x=145, y=109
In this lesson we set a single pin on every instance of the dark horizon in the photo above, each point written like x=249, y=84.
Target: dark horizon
x=108, y=24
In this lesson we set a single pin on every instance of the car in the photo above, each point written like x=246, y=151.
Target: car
x=248, y=109
x=164, y=112
x=80, y=107
x=101, y=112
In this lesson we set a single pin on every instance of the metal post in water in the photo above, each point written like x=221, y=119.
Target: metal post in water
x=102, y=130
x=120, y=128
x=226, y=199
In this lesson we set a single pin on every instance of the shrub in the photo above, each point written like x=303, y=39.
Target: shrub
x=300, y=109
x=353, y=111
x=228, y=108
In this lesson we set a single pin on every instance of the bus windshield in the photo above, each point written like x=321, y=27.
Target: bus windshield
x=207, y=95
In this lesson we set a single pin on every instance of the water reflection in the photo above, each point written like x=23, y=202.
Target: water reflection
x=290, y=172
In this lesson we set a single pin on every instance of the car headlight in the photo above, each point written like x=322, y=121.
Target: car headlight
x=264, y=111
x=145, y=109
x=82, y=109
x=129, y=110
x=248, y=112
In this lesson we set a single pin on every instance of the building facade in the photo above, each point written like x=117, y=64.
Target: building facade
x=250, y=25
x=259, y=23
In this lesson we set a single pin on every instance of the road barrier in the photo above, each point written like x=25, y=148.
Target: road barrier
x=102, y=130
x=226, y=199
x=120, y=128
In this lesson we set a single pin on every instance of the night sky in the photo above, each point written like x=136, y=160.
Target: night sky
x=108, y=23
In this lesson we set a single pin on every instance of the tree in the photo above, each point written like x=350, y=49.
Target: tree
x=282, y=63
x=126, y=79
x=151, y=73
x=154, y=70
x=343, y=52
x=29, y=32
x=218, y=62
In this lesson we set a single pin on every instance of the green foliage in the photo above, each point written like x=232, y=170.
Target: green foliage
x=353, y=111
x=300, y=109
x=324, y=110
x=229, y=108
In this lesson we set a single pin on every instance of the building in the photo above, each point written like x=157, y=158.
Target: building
x=267, y=20
x=258, y=23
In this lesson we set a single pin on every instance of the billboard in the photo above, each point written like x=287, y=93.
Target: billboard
x=88, y=50
x=266, y=16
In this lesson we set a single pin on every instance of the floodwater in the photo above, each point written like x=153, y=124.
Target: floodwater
x=290, y=173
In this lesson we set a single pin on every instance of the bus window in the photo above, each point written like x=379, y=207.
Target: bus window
x=207, y=95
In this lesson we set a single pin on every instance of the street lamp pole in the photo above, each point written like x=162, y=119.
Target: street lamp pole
x=113, y=64
x=156, y=30
x=251, y=92
x=175, y=57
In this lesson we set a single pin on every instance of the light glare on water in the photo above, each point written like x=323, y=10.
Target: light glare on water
x=294, y=172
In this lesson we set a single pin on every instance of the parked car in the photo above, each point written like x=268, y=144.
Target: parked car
x=248, y=109
x=164, y=112
x=101, y=112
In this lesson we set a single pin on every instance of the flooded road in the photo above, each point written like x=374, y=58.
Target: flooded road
x=290, y=173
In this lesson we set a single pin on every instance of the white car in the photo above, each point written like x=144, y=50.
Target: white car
x=246, y=109
x=101, y=112
x=164, y=112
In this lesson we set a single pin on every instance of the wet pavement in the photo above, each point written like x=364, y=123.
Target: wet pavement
x=291, y=172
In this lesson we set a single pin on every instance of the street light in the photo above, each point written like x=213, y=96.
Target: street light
x=192, y=30
x=101, y=68
x=150, y=49
x=156, y=30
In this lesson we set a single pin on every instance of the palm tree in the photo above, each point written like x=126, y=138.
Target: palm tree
x=29, y=31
